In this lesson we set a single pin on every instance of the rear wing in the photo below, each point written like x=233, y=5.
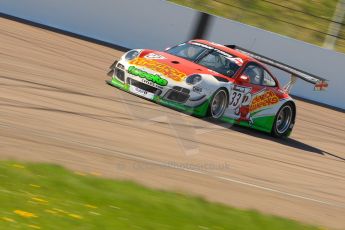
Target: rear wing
x=318, y=82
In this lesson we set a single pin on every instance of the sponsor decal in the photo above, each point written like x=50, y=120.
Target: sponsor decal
x=238, y=61
x=266, y=99
x=197, y=89
x=321, y=85
x=202, y=45
x=148, y=82
x=240, y=96
x=155, y=78
x=216, y=44
x=212, y=48
x=141, y=92
x=154, y=56
x=244, y=104
x=164, y=69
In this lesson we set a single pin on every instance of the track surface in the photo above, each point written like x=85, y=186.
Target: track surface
x=55, y=107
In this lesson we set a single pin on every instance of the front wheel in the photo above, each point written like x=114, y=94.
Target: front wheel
x=218, y=104
x=284, y=121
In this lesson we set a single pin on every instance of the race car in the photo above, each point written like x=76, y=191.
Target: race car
x=206, y=79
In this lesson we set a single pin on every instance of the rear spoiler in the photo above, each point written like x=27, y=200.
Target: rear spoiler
x=318, y=82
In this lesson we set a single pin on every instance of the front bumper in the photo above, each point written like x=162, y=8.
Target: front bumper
x=173, y=95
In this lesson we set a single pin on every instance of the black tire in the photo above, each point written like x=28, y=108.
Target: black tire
x=284, y=120
x=218, y=104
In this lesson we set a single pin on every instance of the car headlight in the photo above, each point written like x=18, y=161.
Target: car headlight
x=131, y=55
x=193, y=79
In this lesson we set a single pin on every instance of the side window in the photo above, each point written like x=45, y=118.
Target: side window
x=255, y=73
x=268, y=80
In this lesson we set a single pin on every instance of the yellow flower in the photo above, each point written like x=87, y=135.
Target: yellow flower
x=35, y=185
x=39, y=200
x=95, y=173
x=95, y=213
x=34, y=226
x=80, y=173
x=8, y=219
x=75, y=216
x=60, y=210
x=90, y=206
x=24, y=214
x=50, y=211
x=18, y=166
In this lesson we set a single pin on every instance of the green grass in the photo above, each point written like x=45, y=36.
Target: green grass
x=61, y=199
x=252, y=11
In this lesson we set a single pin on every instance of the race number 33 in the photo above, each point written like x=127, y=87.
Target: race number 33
x=235, y=99
x=240, y=96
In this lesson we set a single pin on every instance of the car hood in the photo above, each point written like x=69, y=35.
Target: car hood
x=171, y=66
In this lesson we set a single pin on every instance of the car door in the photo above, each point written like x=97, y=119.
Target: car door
x=248, y=83
x=253, y=97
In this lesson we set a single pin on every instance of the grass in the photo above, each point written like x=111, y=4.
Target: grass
x=41, y=196
x=251, y=12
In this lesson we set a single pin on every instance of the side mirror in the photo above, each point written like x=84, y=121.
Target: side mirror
x=243, y=79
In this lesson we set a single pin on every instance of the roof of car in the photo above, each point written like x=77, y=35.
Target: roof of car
x=225, y=49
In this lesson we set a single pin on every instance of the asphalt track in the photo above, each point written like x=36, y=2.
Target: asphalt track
x=56, y=107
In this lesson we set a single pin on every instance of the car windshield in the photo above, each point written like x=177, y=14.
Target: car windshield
x=187, y=51
x=220, y=63
x=210, y=58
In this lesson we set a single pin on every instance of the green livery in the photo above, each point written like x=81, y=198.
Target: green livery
x=199, y=111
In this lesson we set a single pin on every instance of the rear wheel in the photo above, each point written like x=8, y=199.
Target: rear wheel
x=284, y=121
x=218, y=104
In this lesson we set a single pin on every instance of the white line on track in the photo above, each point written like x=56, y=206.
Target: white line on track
x=159, y=163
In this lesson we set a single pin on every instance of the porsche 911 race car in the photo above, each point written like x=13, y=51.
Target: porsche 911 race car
x=203, y=78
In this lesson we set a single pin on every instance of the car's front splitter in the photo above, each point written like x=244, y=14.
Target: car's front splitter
x=199, y=111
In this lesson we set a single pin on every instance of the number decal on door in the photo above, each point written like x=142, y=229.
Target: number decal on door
x=239, y=96
x=236, y=99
